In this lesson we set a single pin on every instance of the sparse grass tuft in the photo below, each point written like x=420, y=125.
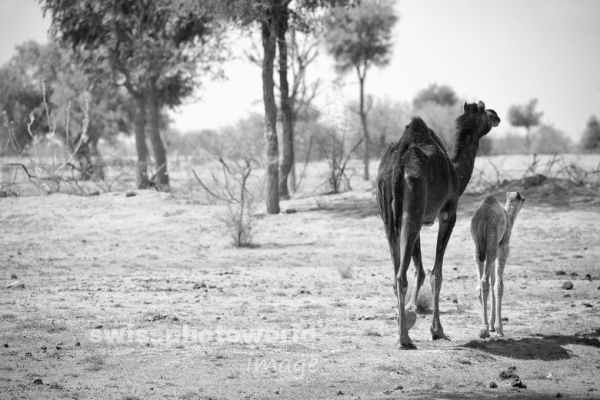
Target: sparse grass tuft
x=96, y=363
x=424, y=302
x=372, y=332
x=346, y=271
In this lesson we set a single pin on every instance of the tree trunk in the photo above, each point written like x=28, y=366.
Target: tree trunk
x=84, y=160
x=286, y=107
x=269, y=47
x=97, y=161
x=140, y=144
x=161, y=179
x=91, y=165
x=363, y=121
x=292, y=179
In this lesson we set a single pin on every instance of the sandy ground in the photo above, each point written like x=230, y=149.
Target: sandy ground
x=144, y=297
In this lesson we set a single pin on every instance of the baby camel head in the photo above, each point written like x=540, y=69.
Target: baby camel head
x=514, y=202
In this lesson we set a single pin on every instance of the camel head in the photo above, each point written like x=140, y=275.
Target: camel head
x=481, y=119
x=514, y=202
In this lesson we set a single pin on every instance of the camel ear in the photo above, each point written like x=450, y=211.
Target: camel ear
x=481, y=105
x=465, y=106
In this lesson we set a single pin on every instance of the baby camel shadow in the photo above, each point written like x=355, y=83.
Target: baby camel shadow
x=546, y=348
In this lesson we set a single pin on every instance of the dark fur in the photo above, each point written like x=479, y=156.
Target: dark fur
x=417, y=147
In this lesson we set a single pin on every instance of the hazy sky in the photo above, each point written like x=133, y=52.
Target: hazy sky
x=502, y=52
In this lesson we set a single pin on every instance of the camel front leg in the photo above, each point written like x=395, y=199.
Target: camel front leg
x=447, y=219
x=499, y=287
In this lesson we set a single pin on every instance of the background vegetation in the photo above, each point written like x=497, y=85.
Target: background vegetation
x=90, y=105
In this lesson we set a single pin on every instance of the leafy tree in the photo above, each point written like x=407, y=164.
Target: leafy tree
x=591, y=136
x=19, y=99
x=302, y=49
x=549, y=140
x=387, y=121
x=510, y=143
x=439, y=94
x=526, y=116
x=65, y=97
x=273, y=19
x=359, y=38
x=268, y=15
x=243, y=140
x=442, y=119
x=155, y=49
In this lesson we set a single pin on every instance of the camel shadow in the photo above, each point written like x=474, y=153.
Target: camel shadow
x=545, y=348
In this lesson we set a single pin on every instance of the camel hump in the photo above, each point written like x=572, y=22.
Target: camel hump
x=417, y=131
x=415, y=160
x=417, y=125
x=489, y=210
x=490, y=200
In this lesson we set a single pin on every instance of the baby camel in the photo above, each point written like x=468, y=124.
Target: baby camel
x=490, y=229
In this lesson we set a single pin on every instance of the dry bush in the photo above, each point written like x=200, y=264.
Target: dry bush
x=337, y=161
x=232, y=188
x=239, y=221
x=424, y=299
x=495, y=172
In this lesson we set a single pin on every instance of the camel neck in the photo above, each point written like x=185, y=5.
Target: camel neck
x=511, y=212
x=464, y=162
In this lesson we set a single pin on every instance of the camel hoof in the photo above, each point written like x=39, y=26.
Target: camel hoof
x=499, y=333
x=484, y=333
x=410, y=317
x=406, y=345
x=438, y=334
x=492, y=329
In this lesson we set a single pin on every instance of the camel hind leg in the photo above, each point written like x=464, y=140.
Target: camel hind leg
x=447, y=219
x=479, y=259
x=484, y=284
x=419, y=275
x=412, y=218
x=499, y=287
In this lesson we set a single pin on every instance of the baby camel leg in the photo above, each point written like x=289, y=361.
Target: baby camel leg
x=499, y=286
x=481, y=281
x=492, y=298
x=484, y=283
x=479, y=271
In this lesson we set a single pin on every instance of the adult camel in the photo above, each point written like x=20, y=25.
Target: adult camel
x=418, y=181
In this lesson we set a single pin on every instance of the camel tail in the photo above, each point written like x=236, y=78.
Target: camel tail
x=479, y=233
x=481, y=247
x=389, y=193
